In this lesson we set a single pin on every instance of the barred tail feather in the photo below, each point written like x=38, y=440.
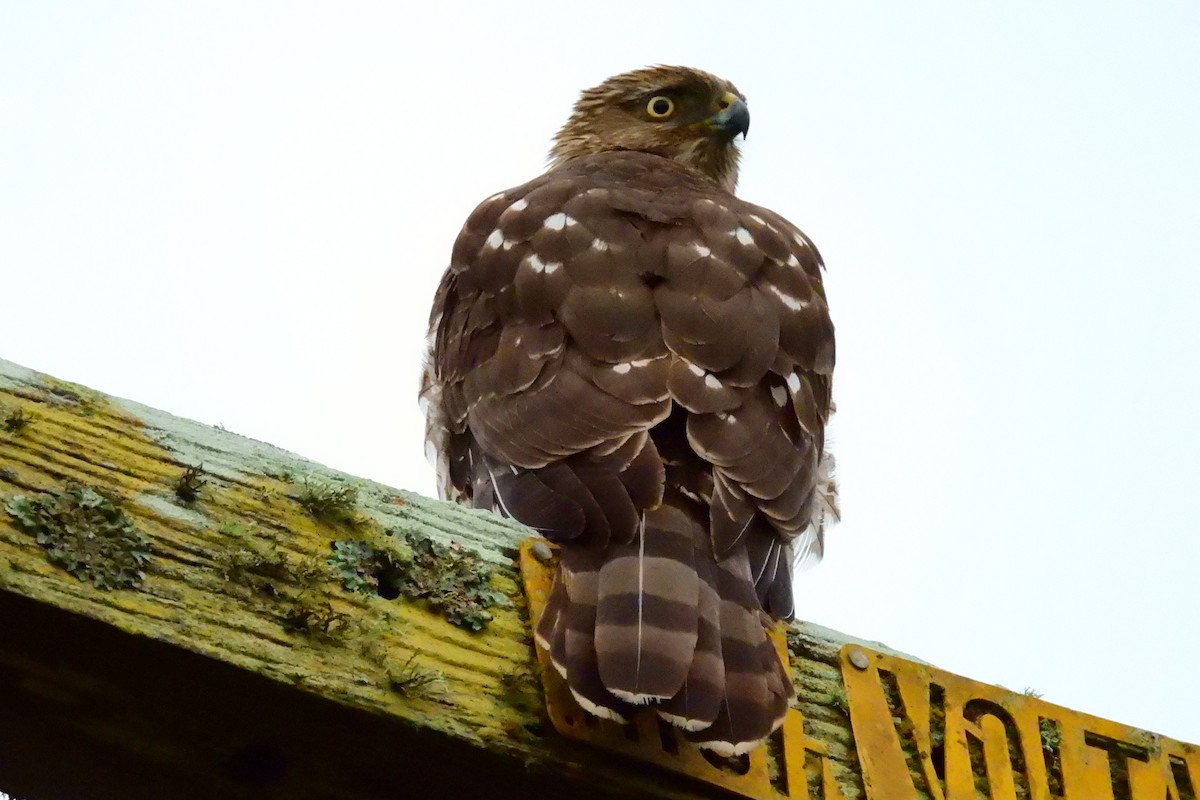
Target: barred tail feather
x=749, y=707
x=646, y=626
x=695, y=706
x=579, y=572
x=661, y=622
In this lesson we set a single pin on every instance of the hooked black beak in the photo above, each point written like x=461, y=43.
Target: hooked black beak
x=733, y=119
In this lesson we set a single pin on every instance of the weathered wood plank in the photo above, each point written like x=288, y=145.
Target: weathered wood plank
x=241, y=662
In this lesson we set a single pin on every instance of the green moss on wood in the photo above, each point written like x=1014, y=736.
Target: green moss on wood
x=413, y=680
x=329, y=503
x=316, y=618
x=15, y=420
x=189, y=484
x=86, y=533
x=451, y=579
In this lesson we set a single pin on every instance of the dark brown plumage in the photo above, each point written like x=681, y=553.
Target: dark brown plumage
x=637, y=363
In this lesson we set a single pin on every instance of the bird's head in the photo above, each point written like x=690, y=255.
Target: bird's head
x=676, y=112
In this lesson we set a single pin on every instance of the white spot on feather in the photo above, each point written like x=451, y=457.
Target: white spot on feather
x=684, y=722
x=556, y=222
x=728, y=749
x=701, y=250
x=794, y=303
x=743, y=236
x=520, y=205
x=641, y=362
x=711, y=381
x=780, y=394
x=793, y=382
x=758, y=219
x=622, y=368
x=495, y=239
x=695, y=370
x=598, y=711
x=638, y=699
x=537, y=265
x=599, y=245
x=793, y=261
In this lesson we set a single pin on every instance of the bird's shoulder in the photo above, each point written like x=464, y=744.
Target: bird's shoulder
x=603, y=194
x=618, y=181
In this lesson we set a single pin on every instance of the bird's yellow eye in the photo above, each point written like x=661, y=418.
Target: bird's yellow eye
x=660, y=107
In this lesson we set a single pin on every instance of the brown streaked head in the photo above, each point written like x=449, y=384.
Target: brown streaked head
x=680, y=113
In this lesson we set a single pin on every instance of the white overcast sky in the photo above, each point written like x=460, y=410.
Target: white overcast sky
x=238, y=212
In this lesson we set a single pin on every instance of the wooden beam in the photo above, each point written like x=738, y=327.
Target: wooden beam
x=241, y=665
x=188, y=613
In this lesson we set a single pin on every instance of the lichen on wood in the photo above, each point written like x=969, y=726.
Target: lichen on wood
x=86, y=533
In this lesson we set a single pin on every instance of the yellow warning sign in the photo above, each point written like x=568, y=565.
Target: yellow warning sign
x=918, y=733
x=921, y=732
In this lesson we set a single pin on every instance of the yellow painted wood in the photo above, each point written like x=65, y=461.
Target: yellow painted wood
x=79, y=436
x=393, y=658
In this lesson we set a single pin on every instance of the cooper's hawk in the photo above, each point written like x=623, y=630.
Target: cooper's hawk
x=637, y=363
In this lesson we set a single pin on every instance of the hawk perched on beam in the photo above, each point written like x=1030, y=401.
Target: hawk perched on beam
x=637, y=363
